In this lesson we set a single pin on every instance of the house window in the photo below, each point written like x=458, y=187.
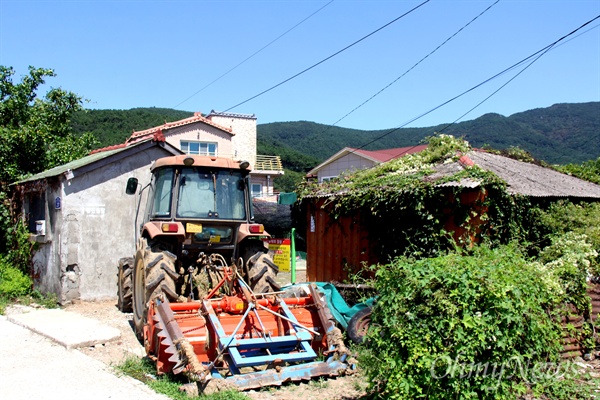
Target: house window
x=201, y=148
x=256, y=190
x=36, y=211
x=328, y=178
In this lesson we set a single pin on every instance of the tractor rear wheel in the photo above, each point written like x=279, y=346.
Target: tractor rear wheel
x=154, y=275
x=359, y=325
x=262, y=271
x=124, y=284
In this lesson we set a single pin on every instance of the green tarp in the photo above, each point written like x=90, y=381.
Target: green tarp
x=287, y=198
x=338, y=306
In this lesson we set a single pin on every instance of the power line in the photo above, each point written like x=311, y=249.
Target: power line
x=253, y=54
x=547, y=49
x=539, y=52
x=415, y=65
x=328, y=58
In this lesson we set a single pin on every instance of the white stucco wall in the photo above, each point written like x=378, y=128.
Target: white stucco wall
x=244, y=141
x=201, y=132
x=349, y=162
x=93, y=229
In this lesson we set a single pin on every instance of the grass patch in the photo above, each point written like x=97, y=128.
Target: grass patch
x=42, y=300
x=144, y=371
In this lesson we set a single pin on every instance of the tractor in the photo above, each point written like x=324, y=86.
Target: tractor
x=197, y=221
x=203, y=291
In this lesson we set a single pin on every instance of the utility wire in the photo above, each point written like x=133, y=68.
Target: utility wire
x=415, y=65
x=253, y=54
x=542, y=51
x=328, y=58
x=550, y=47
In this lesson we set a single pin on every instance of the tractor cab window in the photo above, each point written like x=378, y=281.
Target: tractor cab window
x=163, y=184
x=207, y=194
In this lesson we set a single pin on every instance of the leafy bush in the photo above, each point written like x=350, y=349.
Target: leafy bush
x=564, y=216
x=570, y=259
x=457, y=326
x=13, y=282
x=589, y=170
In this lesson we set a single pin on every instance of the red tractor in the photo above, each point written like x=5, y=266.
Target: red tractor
x=198, y=220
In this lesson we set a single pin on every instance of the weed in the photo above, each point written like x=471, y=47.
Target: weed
x=320, y=383
x=143, y=370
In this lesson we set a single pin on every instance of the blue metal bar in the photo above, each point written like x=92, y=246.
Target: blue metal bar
x=294, y=373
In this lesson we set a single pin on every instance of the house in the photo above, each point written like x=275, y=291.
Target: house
x=83, y=222
x=349, y=159
x=224, y=135
x=339, y=247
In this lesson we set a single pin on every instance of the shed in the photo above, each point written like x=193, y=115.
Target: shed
x=83, y=222
x=339, y=247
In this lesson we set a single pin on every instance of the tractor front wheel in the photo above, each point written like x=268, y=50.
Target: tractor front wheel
x=154, y=274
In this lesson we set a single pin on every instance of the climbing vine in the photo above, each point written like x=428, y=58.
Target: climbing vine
x=425, y=203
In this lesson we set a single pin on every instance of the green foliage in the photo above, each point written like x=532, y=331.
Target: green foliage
x=13, y=283
x=35, y=133
x=288, y=182
x=557, y=134
x=571, y=259
x=589, y=170
x=111, y=127
x=582, y=386
x=565, y=216
x=144, y=371
x=439, y=322
x=406, y=190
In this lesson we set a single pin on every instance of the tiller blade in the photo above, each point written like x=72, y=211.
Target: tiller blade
x=249, y=340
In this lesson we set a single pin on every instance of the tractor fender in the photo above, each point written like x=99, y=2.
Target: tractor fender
x=154, y=228
x=245, y=233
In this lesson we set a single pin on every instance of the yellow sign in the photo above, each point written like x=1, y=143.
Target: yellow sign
x=193, y=228
x=280, y=249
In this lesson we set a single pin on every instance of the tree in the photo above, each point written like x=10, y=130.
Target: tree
x=35, y=133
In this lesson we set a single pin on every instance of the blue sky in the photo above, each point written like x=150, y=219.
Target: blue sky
x=126, y=54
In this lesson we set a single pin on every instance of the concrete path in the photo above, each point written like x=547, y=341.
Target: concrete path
x=65, y=328
x=34, y=367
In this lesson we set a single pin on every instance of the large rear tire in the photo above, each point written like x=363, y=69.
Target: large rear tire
x=154, y=275
x=262, y=271
x=124, y=284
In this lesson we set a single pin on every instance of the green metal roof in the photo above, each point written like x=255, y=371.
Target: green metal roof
x=73, y=165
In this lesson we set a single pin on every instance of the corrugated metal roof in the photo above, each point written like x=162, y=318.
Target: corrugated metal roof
x=521, y=177
x=73, y=165
x=533, y=180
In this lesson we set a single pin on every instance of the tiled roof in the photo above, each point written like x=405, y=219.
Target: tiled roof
x=141, y=135
x=109, y=148
x=389, y=154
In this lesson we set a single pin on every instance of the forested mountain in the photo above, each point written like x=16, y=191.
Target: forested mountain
x=562, y=133
x=114, y=126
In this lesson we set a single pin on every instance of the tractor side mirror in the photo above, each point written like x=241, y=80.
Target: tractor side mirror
x=132, y=184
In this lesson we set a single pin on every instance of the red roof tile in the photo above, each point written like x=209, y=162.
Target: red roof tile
x=108, y=148
x=389, y=154
x=141, y=135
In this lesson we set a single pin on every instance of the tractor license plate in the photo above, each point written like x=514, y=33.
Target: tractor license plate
x=193, y=228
